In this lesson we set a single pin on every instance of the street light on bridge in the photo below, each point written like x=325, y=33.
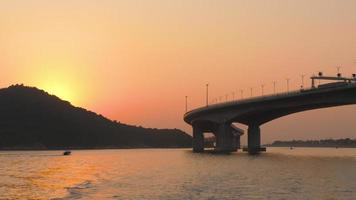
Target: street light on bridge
x=242, y=94
x=287, y=84
x=302, y=86
x=186, y=103
x=251, y=91
x=338, y=71
x=262, y=87
x=207, y=94
x=274, y=87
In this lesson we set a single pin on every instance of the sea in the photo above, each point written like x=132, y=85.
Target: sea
x=279, y=173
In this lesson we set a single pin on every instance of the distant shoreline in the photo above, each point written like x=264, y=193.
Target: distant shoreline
x=331, y=143
x=348, y=147
x=108, y=148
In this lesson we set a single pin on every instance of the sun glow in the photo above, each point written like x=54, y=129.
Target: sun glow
x=59, y=73
x=62, y=90
x=59, y=79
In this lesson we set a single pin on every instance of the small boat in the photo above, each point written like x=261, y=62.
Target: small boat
x=67, y=153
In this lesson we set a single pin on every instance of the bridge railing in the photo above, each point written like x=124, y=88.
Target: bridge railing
x=248, y=99
x=288, y=93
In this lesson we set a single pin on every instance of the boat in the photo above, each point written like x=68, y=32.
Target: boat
x=66, y=153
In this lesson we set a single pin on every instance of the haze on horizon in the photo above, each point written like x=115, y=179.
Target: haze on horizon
x=135, y=61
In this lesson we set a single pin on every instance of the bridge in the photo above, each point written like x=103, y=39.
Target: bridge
x=253, y=112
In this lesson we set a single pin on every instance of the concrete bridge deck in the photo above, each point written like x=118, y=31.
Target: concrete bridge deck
x=253, y=112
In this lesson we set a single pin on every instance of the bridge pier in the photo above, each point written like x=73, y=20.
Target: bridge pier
x=225, y=139
x=198, y=139
x=254, y=139
x=236, y=142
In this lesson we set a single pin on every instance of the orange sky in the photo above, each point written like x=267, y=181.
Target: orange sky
x=135, y=61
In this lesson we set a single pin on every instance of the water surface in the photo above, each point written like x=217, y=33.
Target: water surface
x=281, y=173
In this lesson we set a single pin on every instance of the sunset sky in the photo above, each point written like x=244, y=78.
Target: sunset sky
x=135, y=61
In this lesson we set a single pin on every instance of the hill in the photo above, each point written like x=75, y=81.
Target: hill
x=32, y=119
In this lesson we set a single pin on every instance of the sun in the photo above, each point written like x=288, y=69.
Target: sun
x=62, y=90
x=60, y=76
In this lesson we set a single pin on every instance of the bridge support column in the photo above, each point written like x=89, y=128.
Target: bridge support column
x=237, y=142
x=225, y=140
x=254, y=139
x=198, y=139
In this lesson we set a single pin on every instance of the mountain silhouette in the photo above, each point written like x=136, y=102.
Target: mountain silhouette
x=33, y=119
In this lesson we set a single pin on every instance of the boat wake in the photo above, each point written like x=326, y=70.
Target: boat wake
x=77, y=191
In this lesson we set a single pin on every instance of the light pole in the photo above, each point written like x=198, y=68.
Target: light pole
x=287, y=84
x=186, y=103
x=338, y=71
x=251, y=91
x=302, y=80
x=207, y=94
x=262, y=87
x=226, y=97
x=233, y=96
x=274, y=87
x=242, y=94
